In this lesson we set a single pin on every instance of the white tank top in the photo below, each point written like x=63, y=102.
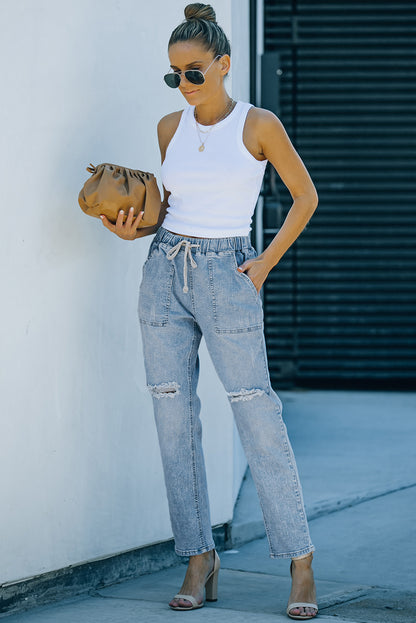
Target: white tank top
x=214, y=191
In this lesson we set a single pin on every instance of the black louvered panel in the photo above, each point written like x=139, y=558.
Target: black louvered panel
x=341, y=305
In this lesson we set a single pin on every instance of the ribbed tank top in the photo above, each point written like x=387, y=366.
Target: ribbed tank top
x=213, y=192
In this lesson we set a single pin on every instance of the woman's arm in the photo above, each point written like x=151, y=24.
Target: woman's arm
x=275, y=145
x=130, y=230
x=147, y=231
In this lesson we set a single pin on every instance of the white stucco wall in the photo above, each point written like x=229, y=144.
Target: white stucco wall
x=81, y=471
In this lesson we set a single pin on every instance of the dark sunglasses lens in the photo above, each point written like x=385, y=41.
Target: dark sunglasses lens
x=195, y=76
x=172, y=80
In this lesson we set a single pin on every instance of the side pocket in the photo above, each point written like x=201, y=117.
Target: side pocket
x=240, y=257
x=236, y=306
x=152, y=247
x=155, y=289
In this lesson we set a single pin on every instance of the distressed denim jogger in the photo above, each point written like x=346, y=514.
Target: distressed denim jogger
x=190, y=287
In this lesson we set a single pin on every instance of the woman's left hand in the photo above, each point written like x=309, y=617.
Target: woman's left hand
x=257, y=269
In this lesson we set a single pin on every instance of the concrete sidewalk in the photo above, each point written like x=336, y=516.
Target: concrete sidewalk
x=356, y=456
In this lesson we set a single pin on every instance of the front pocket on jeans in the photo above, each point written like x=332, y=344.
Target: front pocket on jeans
x=155, y=289
x=236, y=306
x=240, y=257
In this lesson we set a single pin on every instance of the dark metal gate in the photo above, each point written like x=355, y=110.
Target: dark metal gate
x=340, y=308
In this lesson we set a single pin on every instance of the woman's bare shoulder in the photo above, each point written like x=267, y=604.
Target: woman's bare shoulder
x=261, y=117
x=166, y=128
x=260, y=126
x=268, y=130
x=169, y=123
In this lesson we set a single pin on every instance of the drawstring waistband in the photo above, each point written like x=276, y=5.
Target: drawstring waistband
x=173, y=252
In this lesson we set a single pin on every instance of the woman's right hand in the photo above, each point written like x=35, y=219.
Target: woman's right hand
x=127, y=230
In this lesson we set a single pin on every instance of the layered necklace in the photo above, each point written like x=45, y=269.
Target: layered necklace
x=229, y=108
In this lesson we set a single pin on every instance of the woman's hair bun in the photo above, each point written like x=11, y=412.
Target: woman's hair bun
x=201, y=26
x=197, y=10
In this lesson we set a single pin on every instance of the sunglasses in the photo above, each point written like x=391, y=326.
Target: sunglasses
x=195, y=76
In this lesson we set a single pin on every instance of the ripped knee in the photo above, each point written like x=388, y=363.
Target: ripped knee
x=245, y=394
x=164, y=390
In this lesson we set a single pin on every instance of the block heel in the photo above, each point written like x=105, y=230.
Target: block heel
x=211, y=585
x=211, y=588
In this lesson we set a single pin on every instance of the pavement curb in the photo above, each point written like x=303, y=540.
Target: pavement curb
x=79, y=579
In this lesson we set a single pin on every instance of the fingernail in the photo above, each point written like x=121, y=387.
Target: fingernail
x=101, y=216
x=131, y=209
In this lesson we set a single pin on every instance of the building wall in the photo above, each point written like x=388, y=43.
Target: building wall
x=81, y=471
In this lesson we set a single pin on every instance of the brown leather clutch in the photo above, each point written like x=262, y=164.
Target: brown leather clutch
x=112, y=187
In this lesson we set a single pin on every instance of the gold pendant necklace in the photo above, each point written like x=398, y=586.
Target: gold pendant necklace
x=207, y=132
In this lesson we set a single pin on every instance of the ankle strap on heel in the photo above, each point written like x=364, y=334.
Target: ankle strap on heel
x=308, y=555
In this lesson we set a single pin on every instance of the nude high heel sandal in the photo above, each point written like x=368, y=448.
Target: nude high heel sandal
x=299, y=604
x=211, y=588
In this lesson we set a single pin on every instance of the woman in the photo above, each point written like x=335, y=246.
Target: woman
x=202, y=276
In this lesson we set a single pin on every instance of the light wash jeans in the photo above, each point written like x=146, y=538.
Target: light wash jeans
x=191, y=287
